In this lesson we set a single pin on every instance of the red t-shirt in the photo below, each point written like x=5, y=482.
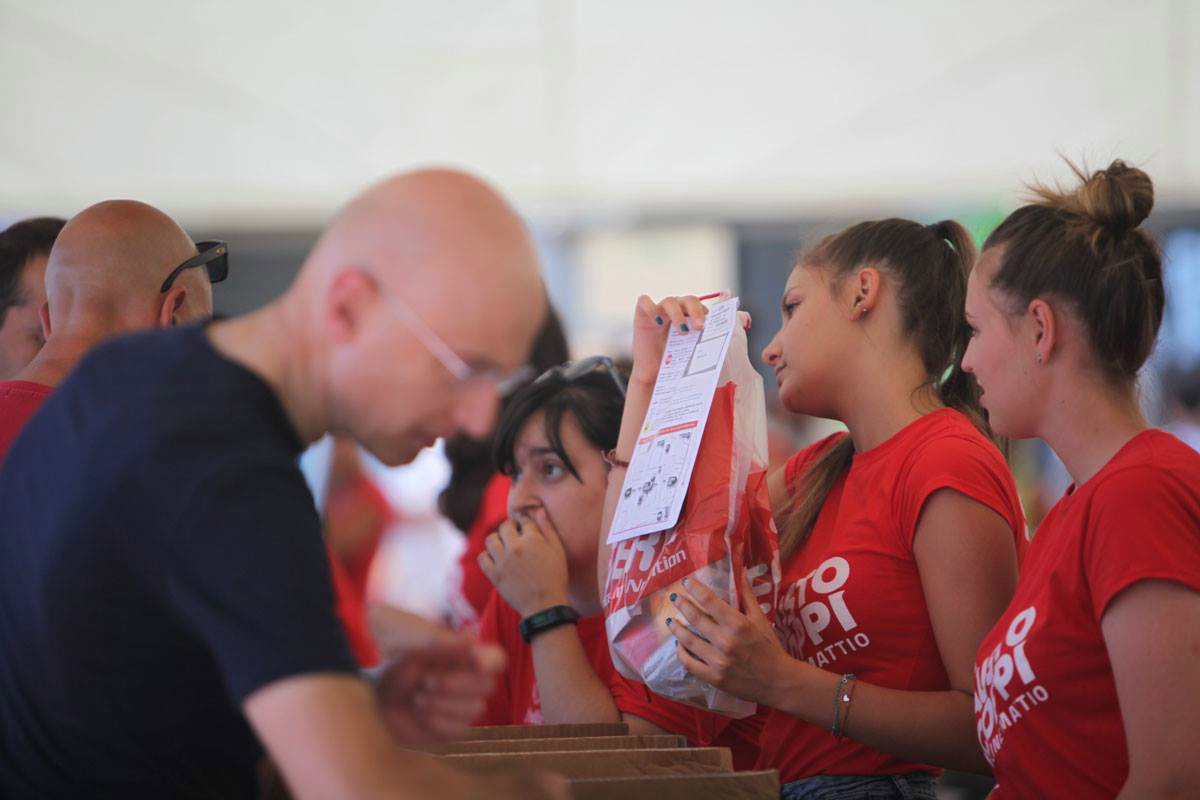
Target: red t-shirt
x=357, y=504
x=360, y=505
x=351, y=609
x=18, y=401
x=493, y=510
x=1045, y=697
x=851, y=597
x=515, y=701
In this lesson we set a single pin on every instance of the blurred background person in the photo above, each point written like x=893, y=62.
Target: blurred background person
x=24, y=247
x=356, y=516
x=1183, y=406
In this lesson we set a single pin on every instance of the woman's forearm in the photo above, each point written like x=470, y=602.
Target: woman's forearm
x=568, y=687
x=936, y=727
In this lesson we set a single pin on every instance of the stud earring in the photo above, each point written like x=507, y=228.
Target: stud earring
x=1039, y=358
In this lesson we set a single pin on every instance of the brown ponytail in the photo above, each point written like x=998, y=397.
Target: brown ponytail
x=929, y=265
x=1085, y=247
x=957, y=388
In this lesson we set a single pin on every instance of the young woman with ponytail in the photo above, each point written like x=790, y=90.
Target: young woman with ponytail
x=1089, y=684
x=899, y=538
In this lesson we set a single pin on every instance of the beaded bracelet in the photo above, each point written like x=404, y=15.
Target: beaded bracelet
x=841, y=700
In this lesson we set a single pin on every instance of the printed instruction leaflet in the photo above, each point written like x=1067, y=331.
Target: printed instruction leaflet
x=660, y=469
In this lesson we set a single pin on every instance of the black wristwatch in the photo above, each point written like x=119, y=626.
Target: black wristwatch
x=546, y=619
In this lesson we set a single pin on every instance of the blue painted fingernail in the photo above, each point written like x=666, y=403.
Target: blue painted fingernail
x=684, y=581
x=673, y=597
x=658, y=320
x=683, y=327
x=669, y=620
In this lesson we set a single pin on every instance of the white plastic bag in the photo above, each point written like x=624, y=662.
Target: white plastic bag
x=725, y=527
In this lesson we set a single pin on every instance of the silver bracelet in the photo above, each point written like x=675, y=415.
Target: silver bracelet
x=840, y=699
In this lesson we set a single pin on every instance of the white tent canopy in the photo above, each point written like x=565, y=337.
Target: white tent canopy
x=258, y=112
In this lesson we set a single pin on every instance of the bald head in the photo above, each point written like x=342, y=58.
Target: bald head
x=110, y=261
x=423, y=283
x=431, y=233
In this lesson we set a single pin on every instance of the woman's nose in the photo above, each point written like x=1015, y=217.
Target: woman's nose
x=771, y=352
x=521, y=499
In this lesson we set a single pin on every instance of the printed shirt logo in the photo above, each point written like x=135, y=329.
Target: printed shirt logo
x=814, y=621
x=1006, y=685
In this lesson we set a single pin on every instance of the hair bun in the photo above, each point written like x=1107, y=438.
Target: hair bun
x=1118, y=198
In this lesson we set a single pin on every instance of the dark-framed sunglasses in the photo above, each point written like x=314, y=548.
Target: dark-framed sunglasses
x=574, y=370
x=213, y=256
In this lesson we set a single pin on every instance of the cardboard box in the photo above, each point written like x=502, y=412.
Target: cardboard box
x=658, y=742
x=731, y=786
x=548, y=731
x=603, y=763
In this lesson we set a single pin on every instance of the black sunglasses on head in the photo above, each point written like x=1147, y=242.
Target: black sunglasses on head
x=214, y=256
x=574, y=370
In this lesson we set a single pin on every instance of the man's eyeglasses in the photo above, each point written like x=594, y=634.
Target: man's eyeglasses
x=213, y=256
x=574, y=370
x=505, y=383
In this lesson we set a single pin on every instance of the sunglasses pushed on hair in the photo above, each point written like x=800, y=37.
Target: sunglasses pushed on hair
x=213, y=256
x=574, y=370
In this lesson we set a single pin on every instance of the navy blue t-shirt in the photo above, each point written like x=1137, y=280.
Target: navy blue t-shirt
x=160, y=560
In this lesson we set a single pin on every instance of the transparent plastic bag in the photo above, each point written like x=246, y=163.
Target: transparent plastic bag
x=724, y=529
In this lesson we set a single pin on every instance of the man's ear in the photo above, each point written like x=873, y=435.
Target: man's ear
x=864, y=292
x=44, y=315
x=168, y=312
x=347, y=297
x=1045, y=324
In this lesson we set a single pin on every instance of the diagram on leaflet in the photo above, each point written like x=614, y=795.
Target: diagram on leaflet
x=660, y=469
x=661, y=462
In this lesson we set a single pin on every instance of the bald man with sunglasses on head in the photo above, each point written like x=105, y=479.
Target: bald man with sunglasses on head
x=165, y=599
x=116, y=267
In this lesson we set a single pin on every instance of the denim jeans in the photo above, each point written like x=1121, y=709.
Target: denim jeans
x=913, y=786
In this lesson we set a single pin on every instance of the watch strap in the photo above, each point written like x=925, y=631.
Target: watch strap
x=547, y=619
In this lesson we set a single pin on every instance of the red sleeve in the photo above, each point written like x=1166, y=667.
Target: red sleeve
x=498, y=709
x=493, y=510
x=968, y=465
x=1144, y=524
